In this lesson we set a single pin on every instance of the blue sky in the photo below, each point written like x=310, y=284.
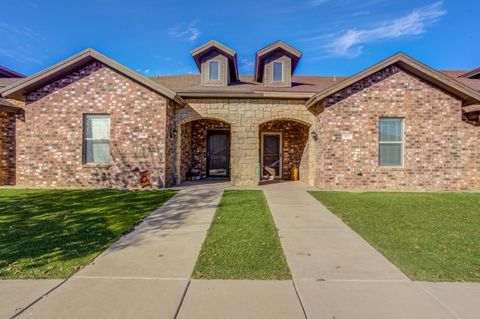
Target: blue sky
x=337, y=37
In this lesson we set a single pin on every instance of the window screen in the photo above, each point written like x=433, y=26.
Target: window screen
x=391, y=142
x=96, y=139
x=278, y=71
x=214, y=71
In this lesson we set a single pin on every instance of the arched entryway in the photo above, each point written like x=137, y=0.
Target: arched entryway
x=204, y=149
x=283, y=146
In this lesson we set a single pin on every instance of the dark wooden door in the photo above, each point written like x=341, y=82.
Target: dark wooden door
x=272, y=155
x=218, y=153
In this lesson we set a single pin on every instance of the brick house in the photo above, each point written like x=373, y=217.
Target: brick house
x=9, y=112
x=398, y=125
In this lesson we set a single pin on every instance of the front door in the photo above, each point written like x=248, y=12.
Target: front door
x=218, y=155
x=271, y=155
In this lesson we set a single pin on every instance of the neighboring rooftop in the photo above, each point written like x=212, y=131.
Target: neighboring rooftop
x=7, y=73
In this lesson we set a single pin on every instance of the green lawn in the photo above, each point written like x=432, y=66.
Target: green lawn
x=242, y=242
x=429, y=236
x=53, y=233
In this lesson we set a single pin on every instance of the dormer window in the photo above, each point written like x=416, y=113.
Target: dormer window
x=277, y=71
x=275, y=64
x=214, y=71
x=217, y=64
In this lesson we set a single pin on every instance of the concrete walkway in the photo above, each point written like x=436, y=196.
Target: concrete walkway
x=143, y=275
x=339, y=275
x=15, y=295
x=146, y=274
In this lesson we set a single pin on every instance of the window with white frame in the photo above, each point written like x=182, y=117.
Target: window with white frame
x=391, y=142
x=96, y=134
x=277, y=71
x=214, y=71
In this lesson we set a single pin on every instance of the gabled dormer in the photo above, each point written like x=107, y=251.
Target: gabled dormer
x=217, y=64
x=275, y=64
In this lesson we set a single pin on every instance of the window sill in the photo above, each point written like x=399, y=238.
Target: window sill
x=391, y=168
x=93, y=165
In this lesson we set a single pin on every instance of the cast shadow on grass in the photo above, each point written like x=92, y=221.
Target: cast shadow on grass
x=52, y=233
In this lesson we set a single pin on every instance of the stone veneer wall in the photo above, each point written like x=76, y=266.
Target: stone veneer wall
x=7, y=147
x=294, y=145
x=245, y=117
x=52, y=135
x=441, y=152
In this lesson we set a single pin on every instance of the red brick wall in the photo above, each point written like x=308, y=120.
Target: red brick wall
x=441, y=152
x=186, y=150
x=169, y=143
x=52, y=137
x=7, y=148
x=294, y=145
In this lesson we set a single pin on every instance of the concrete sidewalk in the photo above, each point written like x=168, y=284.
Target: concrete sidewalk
x=336, y=273
x=15, y=295
x=339, y=275
x=145, y=273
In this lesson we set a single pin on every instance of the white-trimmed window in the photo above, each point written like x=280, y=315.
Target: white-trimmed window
x=391, y=142
x=277, y=71
x=96, y=135
x=214, y=71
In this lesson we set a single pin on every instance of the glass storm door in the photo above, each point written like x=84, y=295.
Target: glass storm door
x=217, y=154
x=271, y=155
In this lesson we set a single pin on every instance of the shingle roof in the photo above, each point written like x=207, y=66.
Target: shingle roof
x=300, y=84
x=457, y=75
x=7, y=81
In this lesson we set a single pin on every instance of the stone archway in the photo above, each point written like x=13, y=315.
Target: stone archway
x=192, y=146
x=290, y=138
